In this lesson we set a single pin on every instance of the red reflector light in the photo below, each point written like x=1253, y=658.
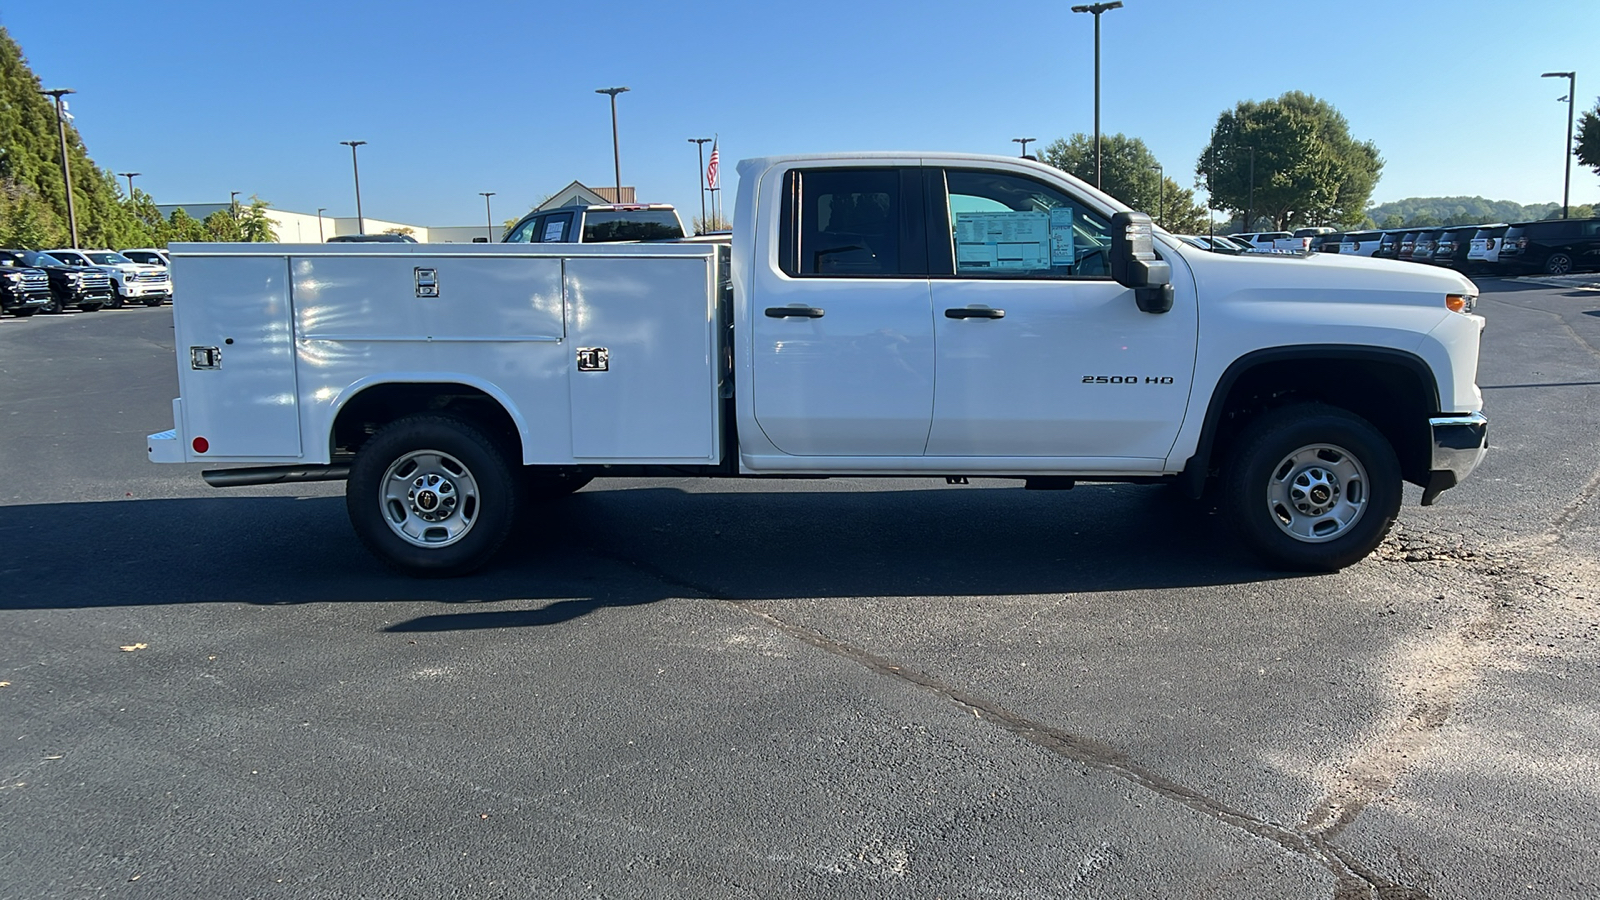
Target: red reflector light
x=201, y=445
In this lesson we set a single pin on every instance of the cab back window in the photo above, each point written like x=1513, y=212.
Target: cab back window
x=610, y=226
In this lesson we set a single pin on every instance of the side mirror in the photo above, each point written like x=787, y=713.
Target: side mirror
x=1134, y=263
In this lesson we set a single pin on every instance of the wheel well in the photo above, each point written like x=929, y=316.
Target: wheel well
x=370, y=410
x=1391, y=392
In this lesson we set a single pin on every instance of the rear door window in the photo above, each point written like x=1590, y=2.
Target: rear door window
x=852, y=223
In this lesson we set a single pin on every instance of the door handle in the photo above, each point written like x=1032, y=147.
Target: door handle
x=967, y=312
x=783, y=312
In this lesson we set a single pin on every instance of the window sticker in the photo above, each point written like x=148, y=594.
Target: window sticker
x=552, y=231
x=1062, y=252
x=1003, y=241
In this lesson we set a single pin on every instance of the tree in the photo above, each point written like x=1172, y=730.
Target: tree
x=1308, y=170
x=254, y=225
x=400, y=229
x=1394, y=220
x=712, y=222
x=1588, y=144
x=183, y=227
x=221, y=225
x=30, y=162
x=1130, y=173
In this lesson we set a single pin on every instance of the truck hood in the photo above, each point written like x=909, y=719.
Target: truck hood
x=1321, y=276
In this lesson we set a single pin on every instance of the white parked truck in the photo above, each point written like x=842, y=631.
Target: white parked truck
x=873, y=315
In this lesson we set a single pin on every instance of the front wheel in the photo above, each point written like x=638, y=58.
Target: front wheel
x=1558, y=264
x=432, y=496
x=1312, y=487
x=118, y=300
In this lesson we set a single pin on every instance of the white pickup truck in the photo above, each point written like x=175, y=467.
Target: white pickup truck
x=874, y=315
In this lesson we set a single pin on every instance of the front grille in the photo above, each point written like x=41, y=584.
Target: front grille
x=95, y=281
x=35, y=281
x=151, y=277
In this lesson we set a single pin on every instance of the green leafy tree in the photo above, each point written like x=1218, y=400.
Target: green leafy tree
x=1308, y=170
x=254, y=224
x=1588, y=143
x=27, y=221
x=222, y=225
x=182, y=227
x=1393, y=220
x=30, y=161
x=1130, y=173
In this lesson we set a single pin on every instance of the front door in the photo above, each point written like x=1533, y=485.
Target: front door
x=1040, y=353
x=843, y=328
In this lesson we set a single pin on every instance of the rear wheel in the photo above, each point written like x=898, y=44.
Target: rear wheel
x=1312, y=487
x=432, y=496
x=1558, y=264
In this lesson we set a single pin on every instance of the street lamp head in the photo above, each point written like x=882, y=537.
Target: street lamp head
x=614, y=91
x=486, y=193
x=1558, y=75
x=1098, y=8
x=352, y=144
x=57, y=92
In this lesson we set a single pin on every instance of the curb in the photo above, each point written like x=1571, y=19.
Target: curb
x=1581, y=282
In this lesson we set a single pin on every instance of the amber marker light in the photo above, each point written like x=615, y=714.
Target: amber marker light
x=1461, y=303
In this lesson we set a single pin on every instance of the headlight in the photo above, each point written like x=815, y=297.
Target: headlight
x=1461, y=303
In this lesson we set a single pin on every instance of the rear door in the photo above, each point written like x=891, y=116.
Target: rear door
x=842, y=327
x=1040, y=353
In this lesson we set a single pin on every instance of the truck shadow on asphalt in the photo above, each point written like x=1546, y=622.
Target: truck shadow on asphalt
x=611, y=546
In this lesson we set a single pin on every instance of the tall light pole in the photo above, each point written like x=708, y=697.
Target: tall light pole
x=488, y=217
x=361, y=223
x=1097, y=9
x=66, y=168
x=616, y=148
x=320, y=211
x=1024, y=142
x=700, y=176
x=129, y=176
x=1572, y=101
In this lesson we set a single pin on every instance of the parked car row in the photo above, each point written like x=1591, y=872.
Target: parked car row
x=55, y=281
x=1552, y=246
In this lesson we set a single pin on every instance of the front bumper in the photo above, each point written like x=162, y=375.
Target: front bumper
x=1459, y=443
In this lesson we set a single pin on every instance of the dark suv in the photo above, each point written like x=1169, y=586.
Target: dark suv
x=24, y=289
x=1453, y=246
x=86, y=288
x=1389, y=245
x=1554, y=246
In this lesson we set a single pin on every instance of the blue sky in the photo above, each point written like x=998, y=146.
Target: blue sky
x=205, y=98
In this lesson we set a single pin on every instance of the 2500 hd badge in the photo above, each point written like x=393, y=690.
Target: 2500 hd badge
x=1127, y=379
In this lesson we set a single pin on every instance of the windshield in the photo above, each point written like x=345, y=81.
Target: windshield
x=69, y=258
x=108, y=259
x=34, y=258
x=609, y=226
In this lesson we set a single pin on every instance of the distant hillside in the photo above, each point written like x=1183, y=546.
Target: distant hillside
x=1457, y=211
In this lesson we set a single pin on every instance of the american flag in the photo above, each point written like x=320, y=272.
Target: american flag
x=711, y=168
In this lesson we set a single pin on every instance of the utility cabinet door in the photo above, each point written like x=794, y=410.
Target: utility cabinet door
x=236, y=356
x=642, y=355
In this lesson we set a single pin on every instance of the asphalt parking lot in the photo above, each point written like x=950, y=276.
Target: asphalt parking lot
x=869, y=688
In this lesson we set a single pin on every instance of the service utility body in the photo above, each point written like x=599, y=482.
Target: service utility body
x=874, y=315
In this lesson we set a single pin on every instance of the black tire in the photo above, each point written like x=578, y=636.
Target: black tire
x=1323, y=449
x=117, y=300
x=1558, y=264
x=482, y=502
x=91, y=307
x=152, y=301
x=55, y=307
x=25, y=311
x=541, y=486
